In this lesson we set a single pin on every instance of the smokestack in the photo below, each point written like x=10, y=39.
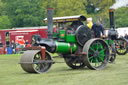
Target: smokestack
x=112, y=33
x=111, y=16
x=50, y=22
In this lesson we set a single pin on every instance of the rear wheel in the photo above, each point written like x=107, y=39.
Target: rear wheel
x=75, y=62
x=97, y=54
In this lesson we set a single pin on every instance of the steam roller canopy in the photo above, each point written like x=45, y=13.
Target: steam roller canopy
x=83, y=34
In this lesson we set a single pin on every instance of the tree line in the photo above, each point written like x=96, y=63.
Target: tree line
x=30, y=13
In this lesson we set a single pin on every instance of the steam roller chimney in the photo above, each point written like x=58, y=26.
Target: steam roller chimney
x=111, y=17
x=50, y=22
x=112, y=34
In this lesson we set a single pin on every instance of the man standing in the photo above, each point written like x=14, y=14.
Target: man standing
x=89, y=21
x=13, y=45
x=26, y=43
x=98, y=29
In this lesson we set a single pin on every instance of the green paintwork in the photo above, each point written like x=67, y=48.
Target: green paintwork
x=62, y=47
x=71, y=38
x=62, y=34
x=109, y=42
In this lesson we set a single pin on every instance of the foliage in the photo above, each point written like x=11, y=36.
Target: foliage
x=5, y=22
x=71, y=7
x=2, y=7
x=25, y=13
x=66, y=7
x=22, y=13
x=121, y=17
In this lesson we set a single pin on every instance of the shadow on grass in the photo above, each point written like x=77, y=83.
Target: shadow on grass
x=60, y=71
x=64, y=70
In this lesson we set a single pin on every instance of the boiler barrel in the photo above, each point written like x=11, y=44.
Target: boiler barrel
x=65, y=47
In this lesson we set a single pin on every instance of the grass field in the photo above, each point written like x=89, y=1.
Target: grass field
x=60, y=74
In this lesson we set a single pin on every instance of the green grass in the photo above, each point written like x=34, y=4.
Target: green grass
x=60, y=74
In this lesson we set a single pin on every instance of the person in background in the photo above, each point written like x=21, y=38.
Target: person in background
x=89, y=21
x=1, y=44
x=26, y=43
x=121, y=36
x=13, y=45
x=17, y=48
x=126, y=36
x=1, y=48
x=97, y=29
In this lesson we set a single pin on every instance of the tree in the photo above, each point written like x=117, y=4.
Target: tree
x=21, y=13
x=121, y=19
x=66, y=7
x=71, y=7
x=4, y=20
x=25, y=12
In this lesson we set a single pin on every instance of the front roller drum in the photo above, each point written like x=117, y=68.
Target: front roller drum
x=97, y=54
x=30, y=62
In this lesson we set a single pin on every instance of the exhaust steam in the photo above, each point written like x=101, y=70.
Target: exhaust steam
x=120, y=3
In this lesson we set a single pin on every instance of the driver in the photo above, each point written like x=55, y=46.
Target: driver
x=97, y=29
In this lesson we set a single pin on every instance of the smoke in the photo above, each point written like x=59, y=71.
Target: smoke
x=120, y=3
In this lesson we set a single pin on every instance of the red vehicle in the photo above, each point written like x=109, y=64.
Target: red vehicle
x=20, y=35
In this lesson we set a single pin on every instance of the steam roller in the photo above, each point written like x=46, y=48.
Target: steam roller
x=93, y=54
x=76, y=45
